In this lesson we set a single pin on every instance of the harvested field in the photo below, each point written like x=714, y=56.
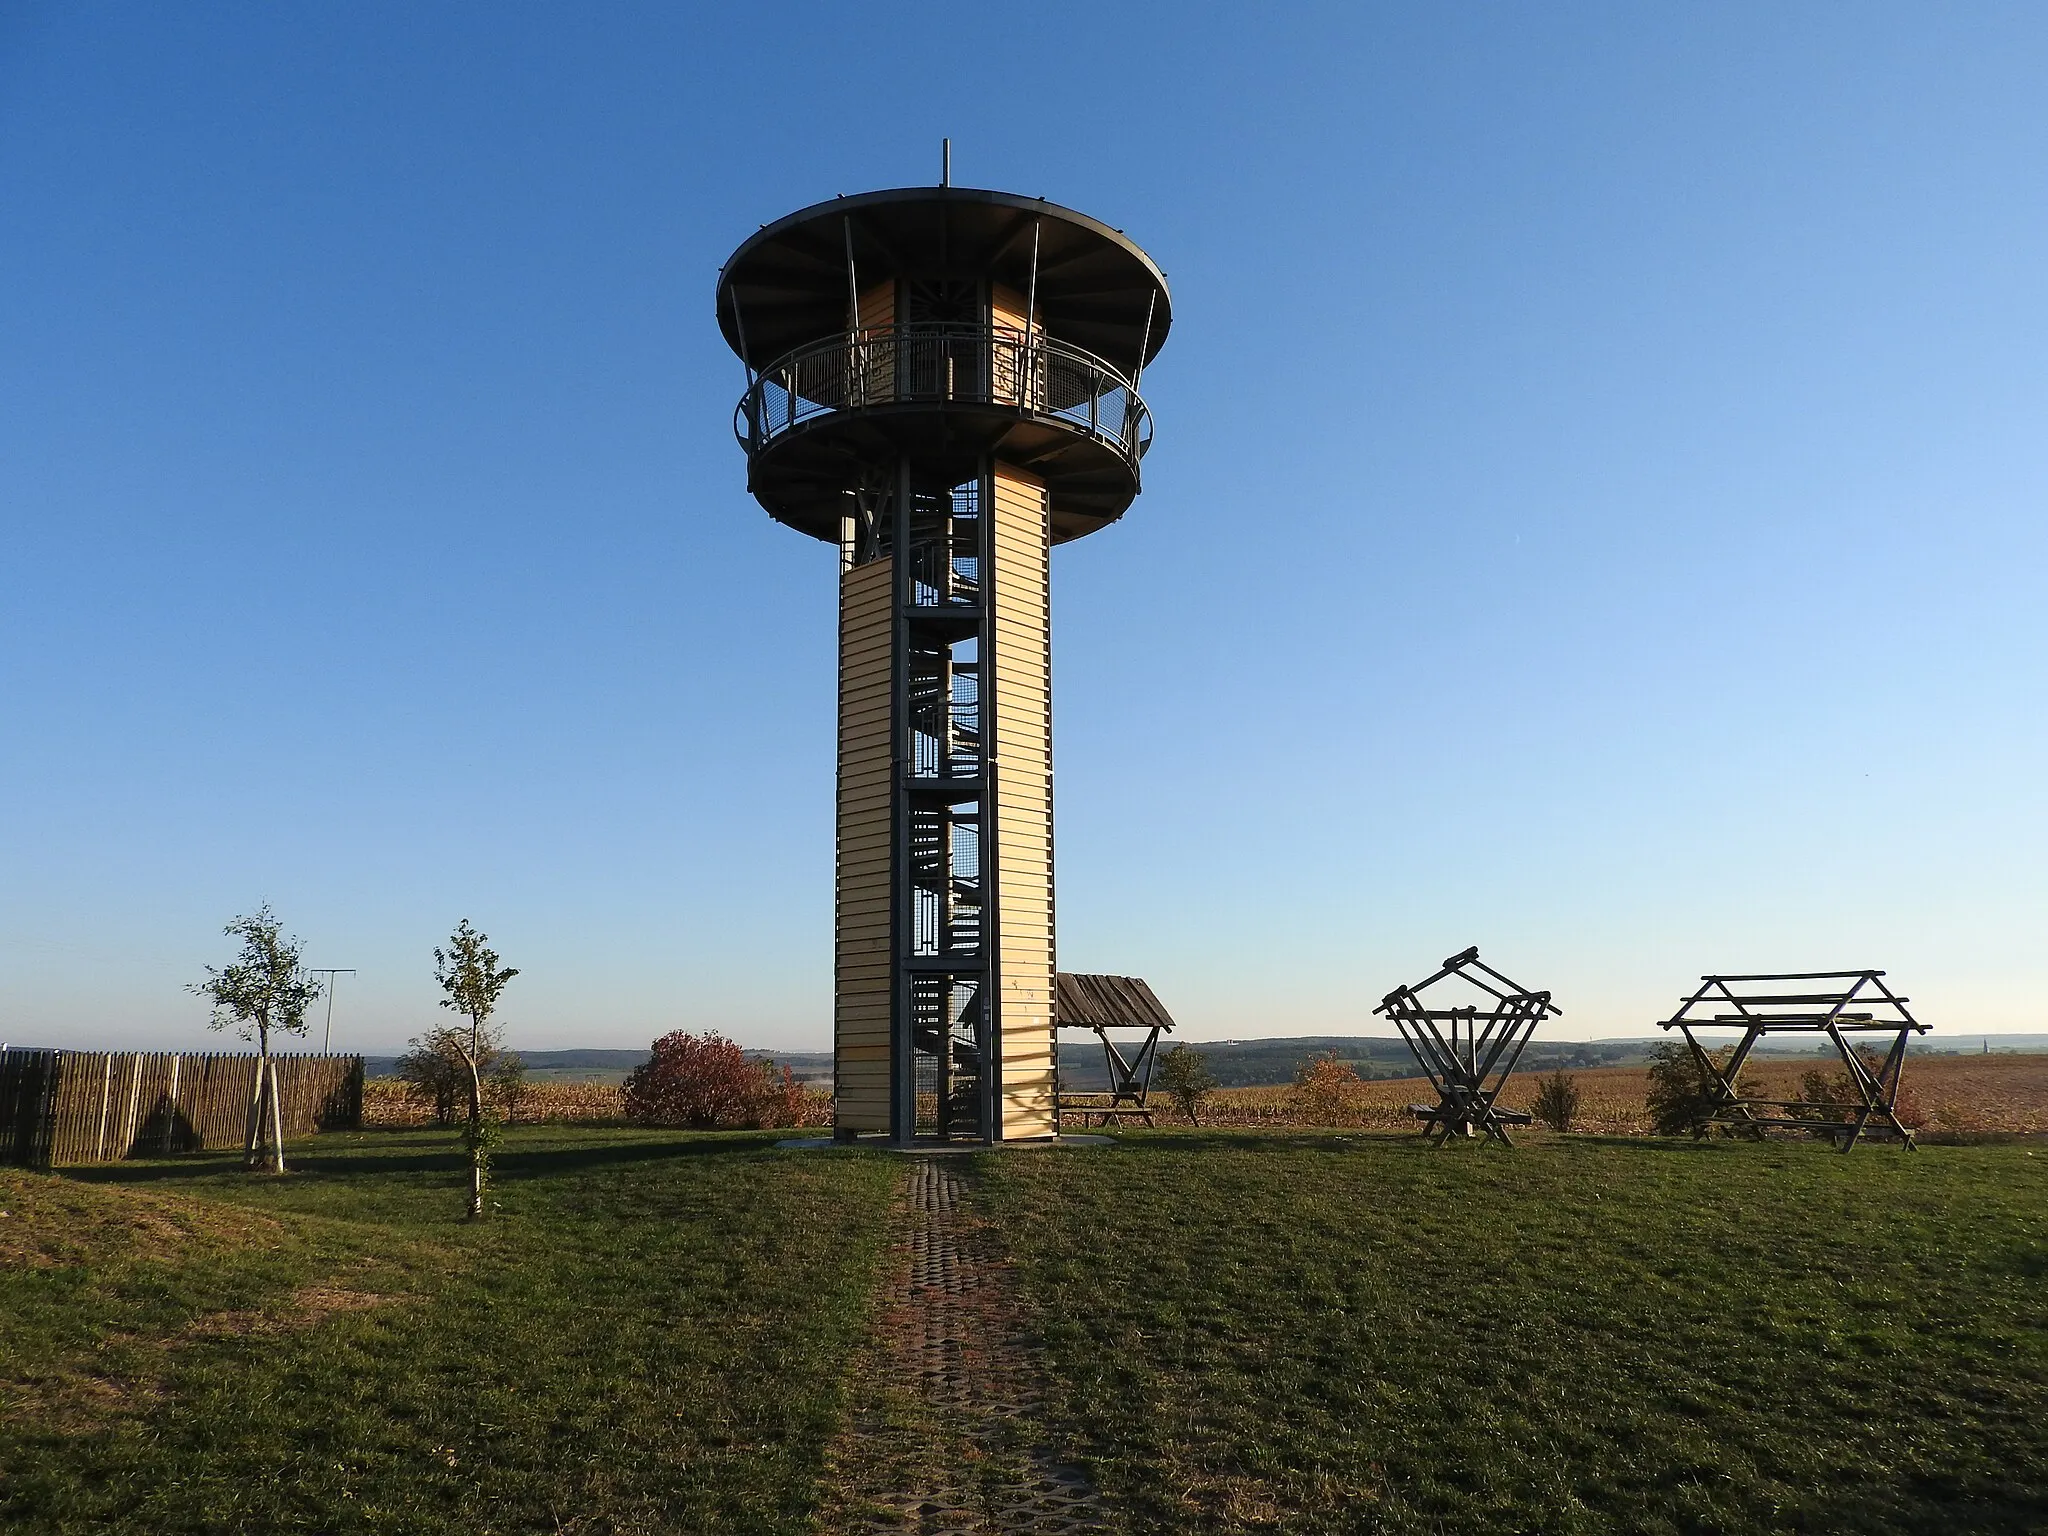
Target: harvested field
x=1961, y=1095
x=386, y=1103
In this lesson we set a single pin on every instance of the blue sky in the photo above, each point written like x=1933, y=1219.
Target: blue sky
x=1596, y=511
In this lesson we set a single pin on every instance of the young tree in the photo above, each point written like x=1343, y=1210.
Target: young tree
x=508, y=1083
x=1681, y=1099
x=1185, y=1076
x=469, y=976
x=266, y=990
x=1557, y=1100
x=434, y=1074
x=1325, y=1091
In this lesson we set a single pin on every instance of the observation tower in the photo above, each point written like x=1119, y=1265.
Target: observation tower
x=944, y=383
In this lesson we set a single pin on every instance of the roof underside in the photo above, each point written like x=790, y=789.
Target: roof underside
x=788, y=284
x=1106, y=1002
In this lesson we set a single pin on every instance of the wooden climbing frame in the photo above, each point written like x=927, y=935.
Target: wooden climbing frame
x=1101, y=1004
x=1837, y=1004
x=1469, y=1052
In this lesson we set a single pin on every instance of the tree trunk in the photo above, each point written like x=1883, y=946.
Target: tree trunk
x=252, y=1143
x=252, y=1123
x=476, y=1147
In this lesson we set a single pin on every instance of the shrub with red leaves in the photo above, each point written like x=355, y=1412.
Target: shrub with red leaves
x=706, y=1082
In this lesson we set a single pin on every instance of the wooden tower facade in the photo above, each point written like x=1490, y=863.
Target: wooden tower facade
x=943, y=382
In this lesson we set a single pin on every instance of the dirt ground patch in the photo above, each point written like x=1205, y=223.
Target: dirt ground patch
x=308, y=1305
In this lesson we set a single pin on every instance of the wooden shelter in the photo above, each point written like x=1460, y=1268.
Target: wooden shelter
x=1101, y=1004
x=943, y=382
x=1833, y=1004
x=1468, y=1051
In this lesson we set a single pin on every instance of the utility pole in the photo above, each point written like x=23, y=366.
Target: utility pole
x=330, y=972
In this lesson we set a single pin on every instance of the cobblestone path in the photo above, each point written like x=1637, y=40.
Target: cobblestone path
x=945, y=1434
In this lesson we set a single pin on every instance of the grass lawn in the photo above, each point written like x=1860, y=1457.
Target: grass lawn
x=1365, y=1334
x=648, y=1335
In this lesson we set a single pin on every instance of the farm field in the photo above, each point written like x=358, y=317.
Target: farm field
x=648, y=1335
x=1962, y=1095
x=1325, y=1334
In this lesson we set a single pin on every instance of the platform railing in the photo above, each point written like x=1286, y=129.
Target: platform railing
x=964, y=364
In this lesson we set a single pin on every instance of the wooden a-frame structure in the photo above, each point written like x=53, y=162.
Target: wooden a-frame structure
x=1852, y=1002
x=1468, y=1052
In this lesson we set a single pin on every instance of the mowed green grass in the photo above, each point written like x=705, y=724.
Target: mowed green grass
x=648, y=1335
x=1367, y=1334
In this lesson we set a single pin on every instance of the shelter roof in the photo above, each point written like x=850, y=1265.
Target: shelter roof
x=1106, y=1002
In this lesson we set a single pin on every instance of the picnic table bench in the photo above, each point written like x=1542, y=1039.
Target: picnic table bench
x=1100, y=1004
x=1835, y=1004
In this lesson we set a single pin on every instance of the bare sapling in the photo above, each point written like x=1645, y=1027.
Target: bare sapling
x=471, y=981
x=265, y=991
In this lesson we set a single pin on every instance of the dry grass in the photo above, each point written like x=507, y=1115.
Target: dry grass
x=306, y=1306
x=51, y=1223
x=1963, y=1095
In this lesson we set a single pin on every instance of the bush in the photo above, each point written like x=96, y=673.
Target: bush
x=1818, y=1089
x=1325, y=1091
x=506, y=1085
x=1557, y=1100
x=435, y=1075
x=1185, y=1077
x=1680, y=1100
x=706, y=1082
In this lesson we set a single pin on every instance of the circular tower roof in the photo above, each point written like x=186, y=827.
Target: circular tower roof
x=1095, y=287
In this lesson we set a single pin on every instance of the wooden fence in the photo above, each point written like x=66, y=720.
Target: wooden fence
x=65, y=1107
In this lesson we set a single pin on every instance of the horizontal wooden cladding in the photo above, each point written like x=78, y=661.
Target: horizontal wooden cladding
x=868, y=1112
x=1006, y=306
x=861, y=969
x=862, y=987
x=878, y=304
x=1019, y=699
